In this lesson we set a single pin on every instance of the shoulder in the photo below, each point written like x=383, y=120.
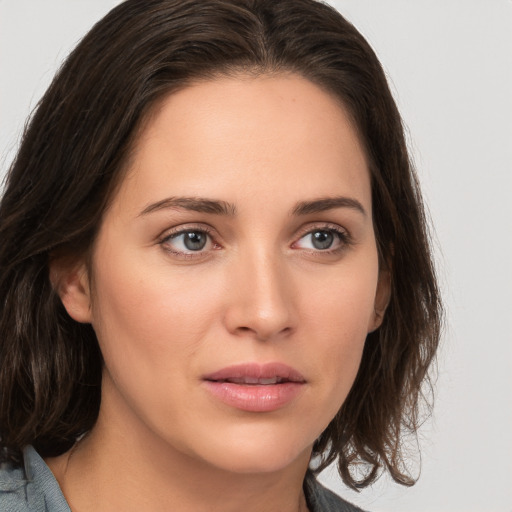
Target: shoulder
x=321, y=499
x=13, y=489
x=31, y=487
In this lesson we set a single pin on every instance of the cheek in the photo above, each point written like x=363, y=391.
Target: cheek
x=338, y=315
x=341, y=303
x=147, y=319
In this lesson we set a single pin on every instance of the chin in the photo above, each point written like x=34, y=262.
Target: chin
x=259, y=453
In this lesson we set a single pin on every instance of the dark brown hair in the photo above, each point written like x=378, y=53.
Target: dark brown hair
x=73, y=154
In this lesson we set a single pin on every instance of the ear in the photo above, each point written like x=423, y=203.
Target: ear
x=382, y=297
x=71, y=282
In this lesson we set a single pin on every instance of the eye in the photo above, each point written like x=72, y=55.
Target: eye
x=188, y=241
x=323, y=240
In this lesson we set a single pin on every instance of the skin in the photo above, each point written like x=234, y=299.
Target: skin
x=259, y=291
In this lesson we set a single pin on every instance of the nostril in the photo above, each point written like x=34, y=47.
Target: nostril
x=264, y=311
x=262, y=333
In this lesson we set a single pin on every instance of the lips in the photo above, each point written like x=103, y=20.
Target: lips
x=254, y=373
x=254, y=387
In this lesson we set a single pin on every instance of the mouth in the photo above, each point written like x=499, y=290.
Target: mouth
x=253, y=381
x=255, y=387
x=257, y=374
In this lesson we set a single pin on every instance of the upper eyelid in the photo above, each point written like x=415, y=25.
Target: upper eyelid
x=319, y=226
x=310, y=227
x=178, y=230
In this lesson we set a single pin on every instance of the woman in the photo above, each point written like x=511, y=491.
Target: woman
x=215, y=274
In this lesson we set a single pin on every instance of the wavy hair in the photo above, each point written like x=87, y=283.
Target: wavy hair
x=74, y=152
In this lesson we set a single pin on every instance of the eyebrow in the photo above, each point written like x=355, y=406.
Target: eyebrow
x=328, y=203
x=195, y=204
x=216, y=207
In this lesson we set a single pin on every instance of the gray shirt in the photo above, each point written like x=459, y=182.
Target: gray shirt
x=33, y=488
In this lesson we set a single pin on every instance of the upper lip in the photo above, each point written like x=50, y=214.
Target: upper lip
x=256, y=373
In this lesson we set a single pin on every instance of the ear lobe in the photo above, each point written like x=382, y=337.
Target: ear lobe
x=382, y=297
x=72, y=286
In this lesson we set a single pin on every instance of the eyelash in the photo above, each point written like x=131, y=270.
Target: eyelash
x=192, y=229
x=344, y=238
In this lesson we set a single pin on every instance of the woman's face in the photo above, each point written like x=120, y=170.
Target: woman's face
x=235, y=276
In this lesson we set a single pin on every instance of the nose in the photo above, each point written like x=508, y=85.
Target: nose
x=261, y=300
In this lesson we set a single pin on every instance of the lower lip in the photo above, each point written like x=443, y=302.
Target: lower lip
x=255, y=398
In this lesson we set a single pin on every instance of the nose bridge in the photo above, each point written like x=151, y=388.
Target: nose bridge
x=263, y=302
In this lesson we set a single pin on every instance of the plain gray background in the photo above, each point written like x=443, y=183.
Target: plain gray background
x=450, y=68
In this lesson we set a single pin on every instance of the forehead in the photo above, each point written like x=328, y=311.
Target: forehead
x=280, y=130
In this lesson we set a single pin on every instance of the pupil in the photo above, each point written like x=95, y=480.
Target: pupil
x=194, y=240
x=322, y=239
